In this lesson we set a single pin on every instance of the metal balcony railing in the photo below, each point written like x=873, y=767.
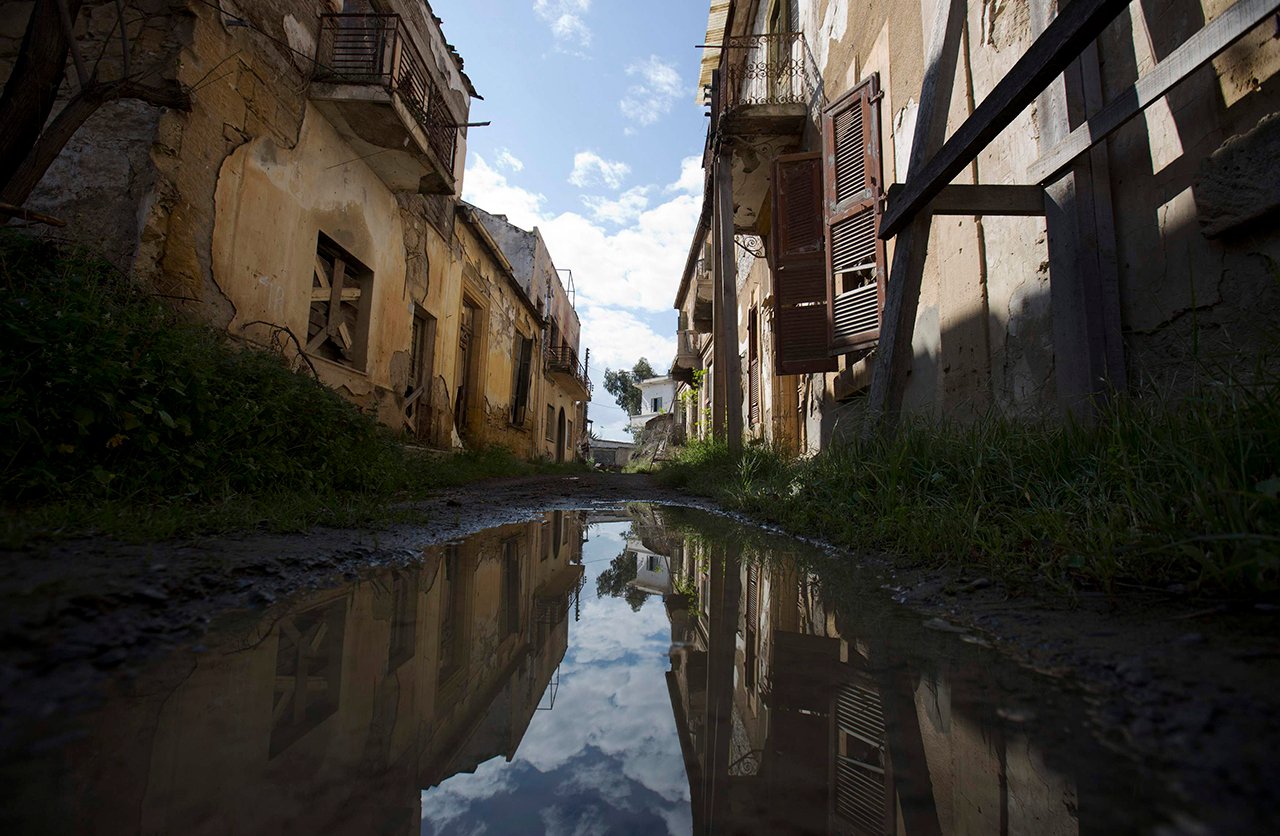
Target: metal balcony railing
x=376, y=49
x=564, y=360
x=766, y=69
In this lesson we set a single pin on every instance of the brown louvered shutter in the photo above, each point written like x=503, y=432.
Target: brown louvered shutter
x=852, y=197
x=800, y=329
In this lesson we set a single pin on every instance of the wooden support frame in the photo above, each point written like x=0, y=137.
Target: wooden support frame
x=957, y=199
x=726, y=292
x=1076, y=25
x=888, y=381
x=1194, y=53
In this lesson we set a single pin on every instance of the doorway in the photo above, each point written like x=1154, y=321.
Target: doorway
x=466, y=365
x=560, y=437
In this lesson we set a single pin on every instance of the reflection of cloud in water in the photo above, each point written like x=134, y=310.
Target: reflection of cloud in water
x=608, y=753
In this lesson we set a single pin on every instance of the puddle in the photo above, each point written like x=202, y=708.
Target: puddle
x=646, y=670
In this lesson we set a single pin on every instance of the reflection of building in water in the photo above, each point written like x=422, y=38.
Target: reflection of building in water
x=653, y=572
x=332, y=715
x=793, y=718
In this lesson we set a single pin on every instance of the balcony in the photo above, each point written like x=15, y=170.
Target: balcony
x=373, y=85
x=688, y=356
x=563, y=366
x=767, y=85
x=703, y=290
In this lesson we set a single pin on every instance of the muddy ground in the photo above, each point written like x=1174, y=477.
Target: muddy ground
x=1187, y=684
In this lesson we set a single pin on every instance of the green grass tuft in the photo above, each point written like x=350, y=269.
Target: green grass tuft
x=1153, y=494
x=120, y=416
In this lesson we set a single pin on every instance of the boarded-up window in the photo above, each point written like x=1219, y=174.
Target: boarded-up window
x=852, y=198
x=338, y=324
x=800, y=331
x=520, y=386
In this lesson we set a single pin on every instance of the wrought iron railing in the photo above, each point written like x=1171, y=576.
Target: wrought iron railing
x=377, y=49
x=766, y=69
x=564, y=360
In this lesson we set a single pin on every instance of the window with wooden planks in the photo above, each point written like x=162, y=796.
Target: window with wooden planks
x=338, y=324
x=800, y=333
x=523, y=379
x=853, y=202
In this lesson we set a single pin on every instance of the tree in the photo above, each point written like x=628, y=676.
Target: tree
x=624, y=385
x=29, y=140
x=615, y=582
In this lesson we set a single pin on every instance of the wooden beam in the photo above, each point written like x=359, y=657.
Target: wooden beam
x=1078, y=23
x=727, y=290
x=959, y=199
x=902, y=294
x=1195, y=52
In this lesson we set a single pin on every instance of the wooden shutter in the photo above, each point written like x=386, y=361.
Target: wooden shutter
x=800, y=327
x=520, y=399
x=852, y=197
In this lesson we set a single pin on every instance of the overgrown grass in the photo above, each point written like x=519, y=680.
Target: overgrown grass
x=119, y=416
x=1153, y=494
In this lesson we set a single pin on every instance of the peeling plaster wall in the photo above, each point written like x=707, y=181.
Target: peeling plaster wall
x=271, y=205
x=228, y=198
x=505, y=319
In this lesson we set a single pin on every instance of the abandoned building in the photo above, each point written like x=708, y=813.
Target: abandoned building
x=909, y=210
x=308, y=201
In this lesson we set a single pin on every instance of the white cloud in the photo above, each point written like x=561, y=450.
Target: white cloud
x=487, y=187
x=618, y=339
x=590, y=169
x=567, y=21
x=625, y=209
x=657, y=88
x=692, y=178
x=509, y=161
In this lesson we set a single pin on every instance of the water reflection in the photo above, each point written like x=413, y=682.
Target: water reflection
x=329, y=714
x=806, y=706
x=715, y=682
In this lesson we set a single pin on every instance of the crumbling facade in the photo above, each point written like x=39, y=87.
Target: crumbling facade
x=1115, y=234
x=308, y=201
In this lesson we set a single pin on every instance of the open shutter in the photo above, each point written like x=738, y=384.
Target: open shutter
x=524, y=362
x=800, y=328
x=852, y=197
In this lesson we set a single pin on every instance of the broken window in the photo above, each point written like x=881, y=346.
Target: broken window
x=551, y=423
x=308, y=672
x=853, y=203
x=341, y=300
x=523, y=378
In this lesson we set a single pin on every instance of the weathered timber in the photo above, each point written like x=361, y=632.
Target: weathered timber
x=902, y=297
x=964, y=199
x=1077, y=24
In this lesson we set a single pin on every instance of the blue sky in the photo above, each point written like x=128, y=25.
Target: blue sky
x=596, y=140
x=607, y=757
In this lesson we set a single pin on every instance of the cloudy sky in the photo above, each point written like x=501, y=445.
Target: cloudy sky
x=595, y=140
x=606, y=758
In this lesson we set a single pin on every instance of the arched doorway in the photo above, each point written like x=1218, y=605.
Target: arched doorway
x=560, y=436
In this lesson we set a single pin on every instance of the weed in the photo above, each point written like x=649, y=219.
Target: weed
x=1185, y=492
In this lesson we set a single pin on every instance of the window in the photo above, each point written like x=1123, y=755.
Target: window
x=657, y=405
x=510, y=611
x=421, y=361
x=551, y=423
x=341, y=299
x=853, y=203
x=308, y=672
x=653, y=563
x=520, y=385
